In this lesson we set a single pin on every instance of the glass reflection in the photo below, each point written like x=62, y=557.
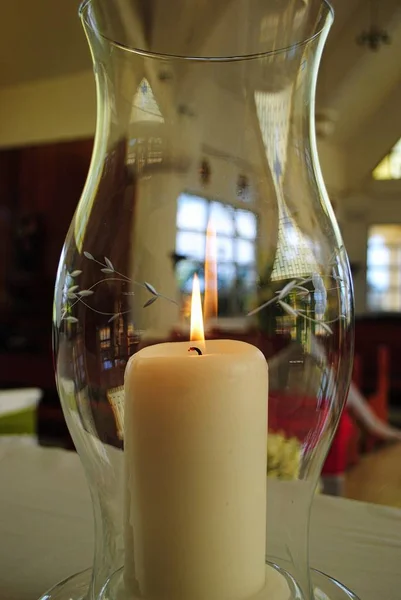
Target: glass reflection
x=236, y=233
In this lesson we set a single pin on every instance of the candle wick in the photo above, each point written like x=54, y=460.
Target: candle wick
x=196, y=350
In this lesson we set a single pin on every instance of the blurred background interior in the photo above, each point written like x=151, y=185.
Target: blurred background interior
x=47, y=123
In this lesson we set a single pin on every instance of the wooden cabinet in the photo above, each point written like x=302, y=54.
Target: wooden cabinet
x=40, y=187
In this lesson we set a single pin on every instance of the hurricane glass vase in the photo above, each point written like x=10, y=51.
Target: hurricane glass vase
x=203, y=304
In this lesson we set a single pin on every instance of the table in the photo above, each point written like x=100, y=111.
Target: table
x=46, y=530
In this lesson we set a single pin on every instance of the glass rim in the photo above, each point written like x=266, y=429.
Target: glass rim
x=164, y=56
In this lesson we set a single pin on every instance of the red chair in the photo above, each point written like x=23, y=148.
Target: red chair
x=345, y=449
x=379, y=400
x=337, y=459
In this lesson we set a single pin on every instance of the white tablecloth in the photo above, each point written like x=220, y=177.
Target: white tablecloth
x=46, y=530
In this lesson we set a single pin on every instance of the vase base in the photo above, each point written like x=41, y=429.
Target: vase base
x=324, y=587
x=74, y=587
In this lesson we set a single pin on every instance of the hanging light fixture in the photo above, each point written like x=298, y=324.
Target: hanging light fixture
x=375, y=36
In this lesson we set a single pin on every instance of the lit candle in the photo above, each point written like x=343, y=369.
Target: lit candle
x=195, y=463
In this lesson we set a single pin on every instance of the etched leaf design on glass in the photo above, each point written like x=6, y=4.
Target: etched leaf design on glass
x=150, y=301
x=109, y=263
x=288, y=309
x=325, y=326
x=114, y=317
x=287, y=289
x=108, y=268
x=150, y=288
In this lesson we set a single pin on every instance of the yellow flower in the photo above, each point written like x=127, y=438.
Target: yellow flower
x=283, y=456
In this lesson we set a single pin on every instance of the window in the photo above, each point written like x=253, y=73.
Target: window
x=236, y=231
x=141, y=151
x=295, y=252
x=106, y=355
x=144, y=106
x=146, y=149
x=390, y=166
x=104, y=337
x=384, y=268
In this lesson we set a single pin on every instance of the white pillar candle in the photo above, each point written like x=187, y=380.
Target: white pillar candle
x=195, y=463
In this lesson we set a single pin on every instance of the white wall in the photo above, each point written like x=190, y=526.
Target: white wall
x=65, y=108
x=333, y=167
x=49, y=110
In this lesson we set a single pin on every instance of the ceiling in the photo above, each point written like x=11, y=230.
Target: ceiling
x=362, y=88
x=41, y=39
x=44, y=39
x=355, y=81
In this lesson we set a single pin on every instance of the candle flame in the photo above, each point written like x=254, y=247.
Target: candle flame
x=197, y=333
x=210, y=303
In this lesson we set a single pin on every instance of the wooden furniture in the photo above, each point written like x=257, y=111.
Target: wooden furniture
x=371, y=332
x=378, y=401
x=349, y=440
x=39, y=189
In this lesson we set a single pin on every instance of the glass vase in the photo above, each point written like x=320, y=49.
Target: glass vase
x=203, y=313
